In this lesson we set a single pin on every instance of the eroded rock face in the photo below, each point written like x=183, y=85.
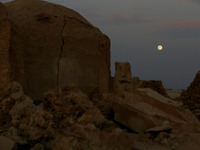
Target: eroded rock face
x=4, y=50
x=191, y=97
x=123, y=77
x=123, y=72
x=52, y=46
x=123, y=80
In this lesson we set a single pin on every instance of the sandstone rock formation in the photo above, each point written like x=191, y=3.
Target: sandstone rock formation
x=52, y=46
x=154, y=85
x=123, y=77
x=123, y=80
x=191, y=97
x=145, y=108
x=123, y=72
x=4, y=50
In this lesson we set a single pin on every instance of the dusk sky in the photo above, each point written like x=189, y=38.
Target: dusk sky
x=137, y=27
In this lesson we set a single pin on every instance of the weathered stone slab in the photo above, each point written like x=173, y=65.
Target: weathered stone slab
x=145, y=109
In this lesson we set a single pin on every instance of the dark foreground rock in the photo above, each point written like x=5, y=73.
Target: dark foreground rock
x=66, y=119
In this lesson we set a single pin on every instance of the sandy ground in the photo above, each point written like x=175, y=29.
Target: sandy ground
x=180, y=142
x=174, y=93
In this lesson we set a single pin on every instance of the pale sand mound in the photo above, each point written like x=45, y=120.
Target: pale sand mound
x=173, y=94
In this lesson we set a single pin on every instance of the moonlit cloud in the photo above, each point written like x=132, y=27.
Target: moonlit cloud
x=181, y=33
x=4, y=1
x=180, y=29
x=186, y=24
x=119, y=19
x=182, y=1
x=92, y=12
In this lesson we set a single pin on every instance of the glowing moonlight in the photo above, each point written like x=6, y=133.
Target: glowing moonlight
x=160, y=47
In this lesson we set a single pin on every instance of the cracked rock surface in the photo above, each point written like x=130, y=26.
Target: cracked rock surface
x=61, y=52
x=4, y=49
x=52, y=46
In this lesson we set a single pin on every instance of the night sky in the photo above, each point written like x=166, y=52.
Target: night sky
x=137, y=27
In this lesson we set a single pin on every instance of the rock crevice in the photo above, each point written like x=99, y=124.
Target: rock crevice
x=4, y=50
x=61, y=51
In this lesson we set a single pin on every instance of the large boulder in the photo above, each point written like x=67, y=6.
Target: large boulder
x=52, y=46
x=4, y=50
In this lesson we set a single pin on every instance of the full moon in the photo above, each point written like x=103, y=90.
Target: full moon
x=160, y=47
